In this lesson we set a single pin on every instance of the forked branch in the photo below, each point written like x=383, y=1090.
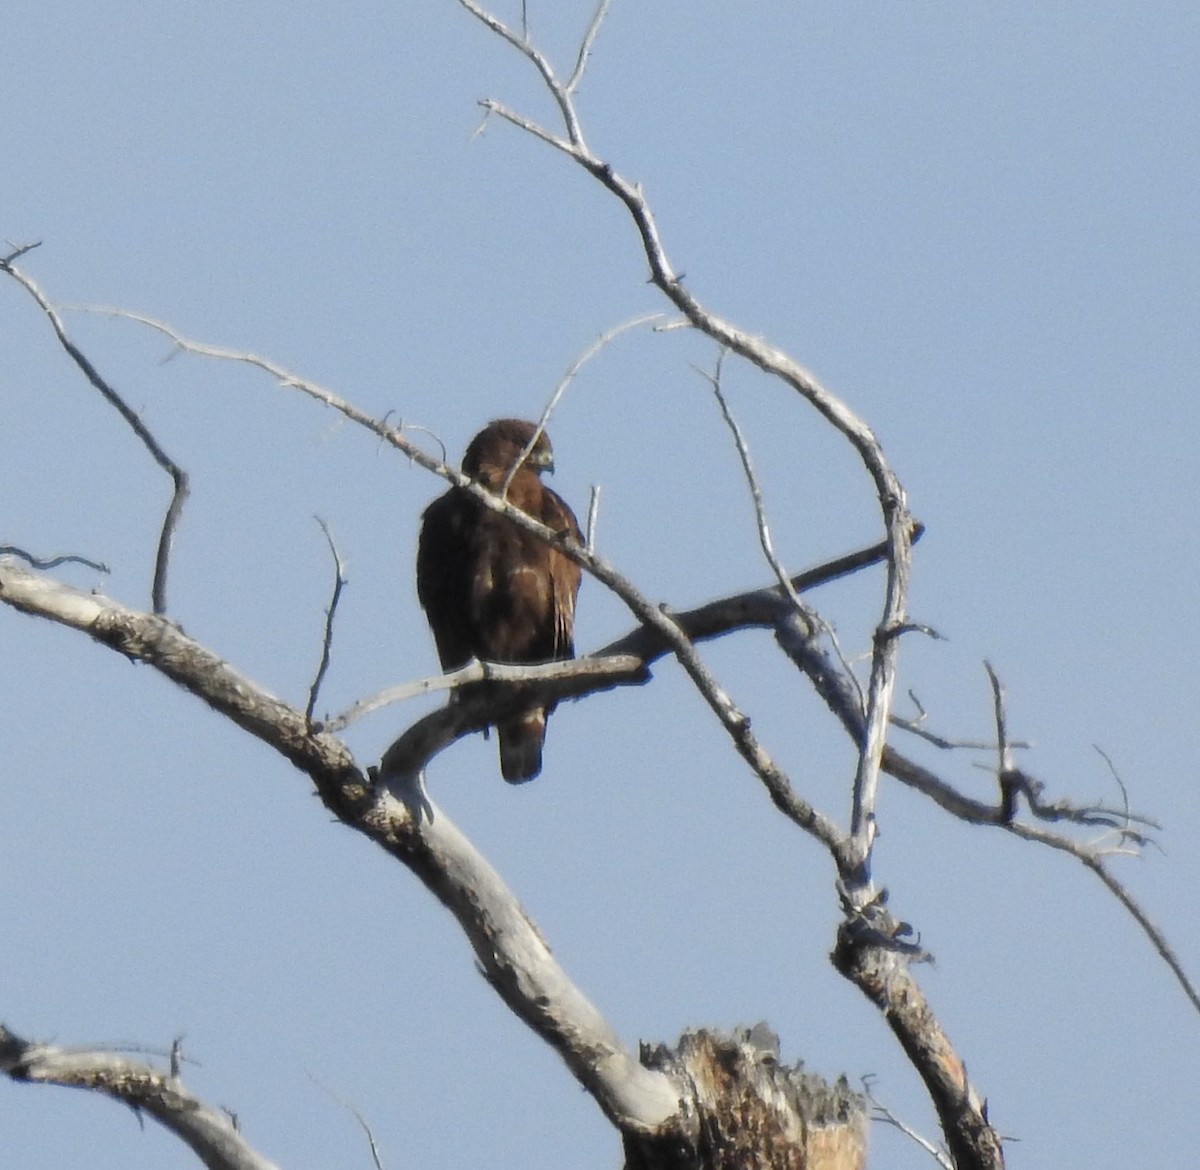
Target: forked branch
x=897, y=522
x=404, y=822
x=654, y=617
x=179, y=478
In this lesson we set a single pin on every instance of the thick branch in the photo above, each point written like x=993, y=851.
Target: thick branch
x=516, y=960
x=882, y=973
x=208, y=1131
x=756, y=607
x=508, y=945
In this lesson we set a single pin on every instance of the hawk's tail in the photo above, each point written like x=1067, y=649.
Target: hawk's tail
x=521, y=740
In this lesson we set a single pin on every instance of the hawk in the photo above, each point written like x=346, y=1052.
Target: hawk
x=493, y=591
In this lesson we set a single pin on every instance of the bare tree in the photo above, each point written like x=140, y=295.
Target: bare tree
x=713, y=1100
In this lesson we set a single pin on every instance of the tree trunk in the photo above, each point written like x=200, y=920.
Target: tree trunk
x=743, y=1110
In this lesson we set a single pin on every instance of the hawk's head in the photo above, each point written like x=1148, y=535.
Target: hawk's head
x=493, y=452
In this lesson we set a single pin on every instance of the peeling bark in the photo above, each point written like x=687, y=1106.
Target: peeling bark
x=744, y=1110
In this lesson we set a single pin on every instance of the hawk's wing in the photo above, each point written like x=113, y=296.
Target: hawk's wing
x=444, y=575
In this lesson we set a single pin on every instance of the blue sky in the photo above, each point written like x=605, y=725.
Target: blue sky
x=976, y=224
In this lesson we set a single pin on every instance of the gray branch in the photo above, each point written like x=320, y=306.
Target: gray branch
x=402, y=821
x=179, y=477
x=144, y=1088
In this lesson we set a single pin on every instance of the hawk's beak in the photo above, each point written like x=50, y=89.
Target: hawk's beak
x=542, y=460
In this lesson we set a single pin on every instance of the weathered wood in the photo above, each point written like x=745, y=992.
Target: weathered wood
x=742, y=1109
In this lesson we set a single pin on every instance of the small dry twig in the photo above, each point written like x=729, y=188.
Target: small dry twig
x=566, y=380
x=11, y=550
x=585, y=46
x=339, y=582
x=1005, y=770
x=593, y=513
x=807, y=614
x=884, y=1114
x=356, y=1114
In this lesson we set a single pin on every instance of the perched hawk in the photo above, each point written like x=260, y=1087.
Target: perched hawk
x=494, y=592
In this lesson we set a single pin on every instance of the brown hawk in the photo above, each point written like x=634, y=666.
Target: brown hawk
x=493, y=591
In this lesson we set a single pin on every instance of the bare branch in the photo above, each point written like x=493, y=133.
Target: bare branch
x=285, y=378
x=807, y=614
x=763, y=607
x=567, y=679
x=519, y=965
x=476, y=710
x=1157, y=939
x=404, y=822
x=1005, y=769
x=339, y=581
x=356, y=1114
x=530, y=127
x=179, y=479
x=564, y=382
x=585, y=46
x=897, y=522
x=881, y=972
x=883, y=1113
x=592, y=513
x=733, y=720
x=521, y=43
x=11, y=550
x=143, y=1088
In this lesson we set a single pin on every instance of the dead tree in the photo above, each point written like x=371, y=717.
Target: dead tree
x=713, y=1101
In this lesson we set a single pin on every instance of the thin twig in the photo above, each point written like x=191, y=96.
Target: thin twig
x=917, y=727
x=354, y=1112
x=158, y=590
x=913, y=727
x=11, y=550
x=18, y=250
x=1129, y=816
x=760, y=511
x=593, y=513
x=339, y=581
x=1005, y=771
x=521, y=43
x=585, y=46
x=566, y=380
x=883, y=1113
x=1157, y=939
x=807, y=613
